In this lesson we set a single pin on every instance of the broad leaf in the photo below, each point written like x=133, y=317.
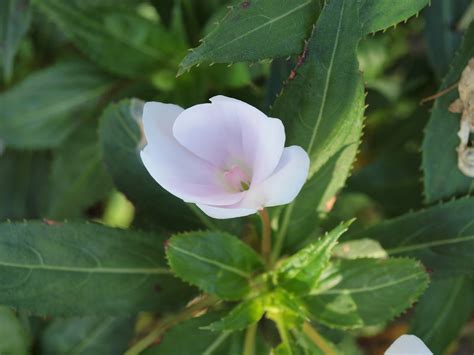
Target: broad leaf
x=254, y=30
x=363, y=292
x=441, y=236
x=81, y=268
x=300, y=273
x=13, y=337
x=443, y=311
x=121, y=139
x=15, y=18
x=360, y=248
x=24, y=186
x=442, y=177
x=322, y=109
x=35, y=117
x=78, y=177
x=119, y=40
x=216, y=262
x=87, y=335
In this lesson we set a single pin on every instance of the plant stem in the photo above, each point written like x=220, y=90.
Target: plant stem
x=169, y=322
x=317, y=339
x=283, y=333
x=202, y=217
x=249, y=344
x=280, y=237
x=266, y=235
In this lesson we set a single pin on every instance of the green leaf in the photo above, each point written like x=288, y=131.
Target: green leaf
x=442, y=237
x=442, y=38
x=14, y=338
x=119, y=40
x=322, y=109
x=442, y=178
x=443, y=311
x=121, y=140
x=244, y=314
x=216, y=262
x=24, y=186
x=300, y=273
x=78, y=178
x=360, y=248
x=87, y=335
x=82, y=268
x=363, y=292
x=254, y=30
x=15, y=19
x=33, y=117
x=286, y=307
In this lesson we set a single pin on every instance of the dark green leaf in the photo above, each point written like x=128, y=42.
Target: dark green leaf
x=87, y=335
x=300, y=273
x=13, y=337
x=15, y=18
x=78, y=178
x=121, y=141
x=46, y=107
x=81, y=268
x=442, y=312
x=119, y=40
x=216, y=262
x=441, y=236
x=442, y=177
x=254, y=30
x=322, y=109
x=24, y=184
x=362, y=292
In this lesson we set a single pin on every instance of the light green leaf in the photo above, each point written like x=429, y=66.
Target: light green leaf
x=363, y=292
x=87, y=335
x=14, y=339
x=442, y=237
x=35, y=117
x=300, y=273
x=78, y=178
x=244, y=314
x=442, y=36
x=119, y=40
x=216, y=262
x=442, y=177
x=81, y=269
x=24, y=186
x=443, y=311
x=254, y=30
x=360, y=248
x=15, y=19
x=322, y=109
x=121, y=140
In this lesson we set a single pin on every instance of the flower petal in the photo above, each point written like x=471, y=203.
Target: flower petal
x=225, y=212
x=229, y=131
x=408, y=345
x=174, y=167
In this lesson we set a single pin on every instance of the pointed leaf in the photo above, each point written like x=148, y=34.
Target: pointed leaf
x=81, y=268
x=300, y=273
x=363, y=292
x=216, y=262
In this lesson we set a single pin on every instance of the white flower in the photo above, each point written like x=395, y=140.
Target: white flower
x=408, y=345
x=226, y=156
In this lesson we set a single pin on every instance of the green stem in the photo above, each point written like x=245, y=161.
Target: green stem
x=249, y=344
x=202, y=217
x=280, y=237
x=266, y=235
x=317, y=339
x=283, y=333
x=169, y=322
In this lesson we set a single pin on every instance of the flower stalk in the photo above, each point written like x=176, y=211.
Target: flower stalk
x=266, y=236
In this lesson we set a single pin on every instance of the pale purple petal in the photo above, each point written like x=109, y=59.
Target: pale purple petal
x=225, y=212
x=408, y=345
x=174, y=167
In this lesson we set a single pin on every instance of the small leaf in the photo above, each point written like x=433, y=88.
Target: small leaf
x=121, y=139
x=14, y=339
x=80, y=269
x=33, y=117
x=300, y=273
x=443, y=311
x=87, y=335
x=246, y=313
x=15, y=19
x=360, y=248
x=216, y=262
x=287, y=307
x=363, y=292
